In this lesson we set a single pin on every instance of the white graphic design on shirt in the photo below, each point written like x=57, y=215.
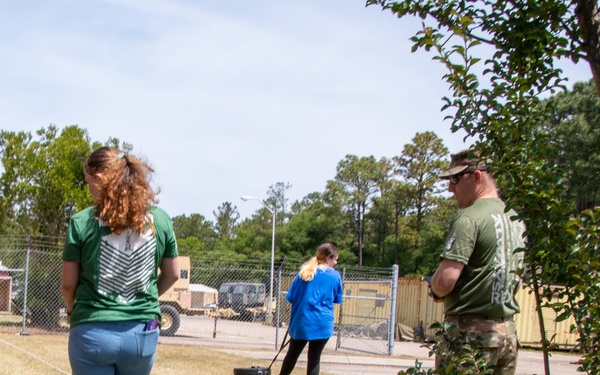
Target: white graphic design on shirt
x=126, y=264
x=509, y=237
x=449, y=244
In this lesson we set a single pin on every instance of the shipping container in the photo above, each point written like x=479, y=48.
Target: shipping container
x=416, y=311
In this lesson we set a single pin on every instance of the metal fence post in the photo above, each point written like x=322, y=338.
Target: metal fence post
x=278, y=311
x=338, y=342
x=392, y=324
x=23, y=332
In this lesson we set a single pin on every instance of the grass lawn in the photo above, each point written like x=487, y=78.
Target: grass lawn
x=47, y=355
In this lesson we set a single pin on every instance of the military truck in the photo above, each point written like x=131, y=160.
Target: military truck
x=233, y=299
x=185, y=298
x=246, y=299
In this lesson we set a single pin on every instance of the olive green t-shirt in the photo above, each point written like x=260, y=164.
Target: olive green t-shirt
x=484, y=239
x=118, y=273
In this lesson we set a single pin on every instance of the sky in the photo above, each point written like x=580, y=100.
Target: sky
x=225, y=98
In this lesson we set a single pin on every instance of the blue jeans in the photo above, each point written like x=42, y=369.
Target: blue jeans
x=112, y=348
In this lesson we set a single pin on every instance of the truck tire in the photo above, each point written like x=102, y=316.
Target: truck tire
x=170, y=320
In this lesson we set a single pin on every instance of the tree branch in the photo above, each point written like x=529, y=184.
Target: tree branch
x=589, y=22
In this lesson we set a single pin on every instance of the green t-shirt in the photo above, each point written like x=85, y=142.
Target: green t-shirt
x=118, y=273
x=484, y=239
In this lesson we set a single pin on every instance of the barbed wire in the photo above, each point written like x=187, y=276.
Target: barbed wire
x=23, y=241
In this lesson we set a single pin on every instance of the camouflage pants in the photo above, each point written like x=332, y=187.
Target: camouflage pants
x=498, y=337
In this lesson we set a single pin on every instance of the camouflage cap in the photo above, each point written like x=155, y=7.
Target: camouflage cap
x=464, y=161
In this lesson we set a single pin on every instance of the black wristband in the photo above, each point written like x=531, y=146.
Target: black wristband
x=435, y=296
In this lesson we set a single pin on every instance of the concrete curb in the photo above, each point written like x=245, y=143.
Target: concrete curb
x=529, y=363
x=336, y=359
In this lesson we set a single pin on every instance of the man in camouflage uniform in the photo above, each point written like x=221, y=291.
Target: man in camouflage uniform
x=477, y=278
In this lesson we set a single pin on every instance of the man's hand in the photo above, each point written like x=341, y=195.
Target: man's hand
x=434, y=296
x=429, y=279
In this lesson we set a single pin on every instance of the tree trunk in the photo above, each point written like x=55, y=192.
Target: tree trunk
x=545, y=344
x=589, y=22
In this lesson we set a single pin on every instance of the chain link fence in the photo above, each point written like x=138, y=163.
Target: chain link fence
x=221, y=303
x=30, y=294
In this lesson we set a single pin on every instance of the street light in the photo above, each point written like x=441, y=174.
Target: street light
x=272, y=211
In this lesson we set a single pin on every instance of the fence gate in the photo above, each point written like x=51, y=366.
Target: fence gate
x=366, y=319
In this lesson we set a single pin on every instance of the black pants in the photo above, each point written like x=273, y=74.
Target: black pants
x=315, y=348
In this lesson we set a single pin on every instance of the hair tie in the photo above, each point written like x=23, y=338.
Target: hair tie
x=120, y=156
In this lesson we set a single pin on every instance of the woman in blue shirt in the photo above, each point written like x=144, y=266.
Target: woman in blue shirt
x=312, y=295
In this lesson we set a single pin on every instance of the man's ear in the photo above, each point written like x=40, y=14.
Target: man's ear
x=478, y=175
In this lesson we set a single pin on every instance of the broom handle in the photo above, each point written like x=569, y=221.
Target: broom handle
x=283, y=344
